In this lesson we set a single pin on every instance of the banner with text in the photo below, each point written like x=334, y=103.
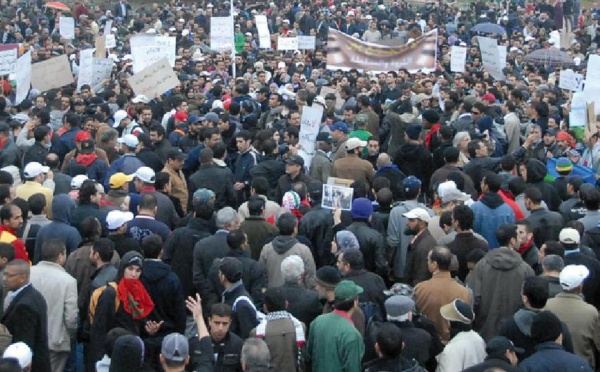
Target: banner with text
x=23, y=77
x=490, y=57
x=458, y=58
x=149, y=49
x=66, y=27
x=345, y=52
x=154, y=80
x=52, y=73
x=221, y=34
x=310, y=122
x=264, y=36
x=8, y=58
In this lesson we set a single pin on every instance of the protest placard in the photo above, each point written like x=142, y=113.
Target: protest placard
x=108, y=26
x=307, y=42
x=221, y=34
x=570, y=80
x=154, y=79
x=8, y=58
x=23, y=77
x=458, y=58
x=149, y=49
x=310, y=122
x=66, y=26
x=490, y=57
x=337, y=197
x=264, y=36
x=100, y=47
x=101, y=70
x=52, y=73
x=287, y=43
x=578, y=113
x=110, y=41
x=86, y=60
x=591, y=90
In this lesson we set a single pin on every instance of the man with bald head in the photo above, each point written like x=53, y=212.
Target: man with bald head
x=385, y=168
x=26, y=317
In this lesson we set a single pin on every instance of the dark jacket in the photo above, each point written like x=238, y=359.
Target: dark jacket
x=303, y=303
x=373, y=287
x=418, y=250
x=399, y=364
x=395, y=176
x=478, y=166
x=166, y=292
x=418, y=343
x=372, y=245
x=415, y=160
x=254, y=277
x=228, y=352
x=592, y=283
x=536, y=171
x=128, y=164
x=286, y=182
x=572, y=208
x=438, y=155
x=94, y=171
x=550, y=356
x=493, y=362
x=162, y=148
x=591, y=238
x=60, y=227
x=216, y=178
x=244, y=313
x=179, y=251
x=62, y=145
x=37, y=152
x=151, y=159
x=316, y=225
x=88, y=210
x=546, y=225
x=270, y=167
x=517, y=328
x=462, y=245
x=206, y=251
x=27, y=320
x=124, y=244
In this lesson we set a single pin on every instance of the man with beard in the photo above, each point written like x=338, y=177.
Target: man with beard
x=420, y=246
x=192, y=138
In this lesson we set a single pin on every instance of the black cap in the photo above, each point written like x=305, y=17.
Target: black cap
x=87, y=146
x=324, y=137
x=175, y=154
x=295, y=160
x=232, y=269
x=328, y=276
x=497, y=346
x=315, y=189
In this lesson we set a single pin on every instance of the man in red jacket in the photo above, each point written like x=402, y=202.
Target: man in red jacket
x=11, y=219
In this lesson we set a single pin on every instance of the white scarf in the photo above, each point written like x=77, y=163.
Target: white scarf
x=276, y=315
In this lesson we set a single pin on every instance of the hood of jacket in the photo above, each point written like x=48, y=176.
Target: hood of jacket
x=283, y=243
x=536, y=171
x=155, y=271
x=503, y=259
x=524, y=319
x=385, y=168
x=492, y=200
x=63, y=208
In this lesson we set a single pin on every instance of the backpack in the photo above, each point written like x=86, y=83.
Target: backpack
x=98, y=292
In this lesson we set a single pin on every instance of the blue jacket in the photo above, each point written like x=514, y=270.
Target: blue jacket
x=128, y=164
x=243, y=163
x=94, y=171
x=65, y=143
x=192, y=160
x=63, y=208
x=490, y=213
x=550, y=356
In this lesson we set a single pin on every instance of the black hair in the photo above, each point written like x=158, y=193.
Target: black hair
x=159, y=129
x=51, y=249
x=275, y=299
x=256, y=205
x=361, y=189
x=40, y=132
x=105, y=249
x=287, y=223
x=236, y=238
x=6, y=178
x=152, y=246
x=505, y=233
x=90, y=228
x=389, y=339
x=203, y=209
x=86, y=191
x=536, y=290
x=492, y=180
x=37, y=203
x=554, y=247
x=260, y=185
x=148, y=202
x=221, y=310
x=7, y=251
x=354, y=258
x=161, y=180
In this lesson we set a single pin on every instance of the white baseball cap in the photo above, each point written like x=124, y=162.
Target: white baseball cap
x=119, y=116
x=129, y=140
x=34, y=169
x=572, y=276
x=140, y=99
x=21, y=352
x=116, y=219
x=353, y=143
x=78, y=180
x=418, y=214
x=569, y=235
x=145, y=174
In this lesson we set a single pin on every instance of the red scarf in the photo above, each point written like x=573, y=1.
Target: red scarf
x=525, y=246
x=86, y=159
x=135, y=299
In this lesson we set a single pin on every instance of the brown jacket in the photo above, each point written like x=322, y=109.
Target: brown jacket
x=179, y=187
x=353, y=168
x=280, y=336
x=436, y=292
x=418, y=250
x=583, y=322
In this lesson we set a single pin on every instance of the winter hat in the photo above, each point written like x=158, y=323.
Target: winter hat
x=362, y=208
x=431, y=116
x=545, y=327
x=128, y=259
x=128, y=354
x=413, y=131
x=328, y=276
x=563, y=165
x=291, y=200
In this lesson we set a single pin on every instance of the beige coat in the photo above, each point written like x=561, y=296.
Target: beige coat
x=60, y=292
x=179, y=187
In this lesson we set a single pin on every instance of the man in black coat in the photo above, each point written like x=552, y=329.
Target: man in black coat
x=316, y=225
x=254, y=275
x=27, y=316
x=501, y=355
x=213, y=176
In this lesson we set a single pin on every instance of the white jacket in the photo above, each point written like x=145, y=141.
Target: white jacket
x=463, y=351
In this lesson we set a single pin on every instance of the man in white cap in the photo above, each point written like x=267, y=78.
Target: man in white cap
x=581, y=318
x=417, y=221
x=351, y=166
x=128, y=163
x=575, y=255
x=144, y=180
x=38, y=179
x=116, y=223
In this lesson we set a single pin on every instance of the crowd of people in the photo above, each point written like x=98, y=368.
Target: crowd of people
x=191, y=231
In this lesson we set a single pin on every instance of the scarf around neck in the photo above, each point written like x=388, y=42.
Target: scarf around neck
x=276, y=315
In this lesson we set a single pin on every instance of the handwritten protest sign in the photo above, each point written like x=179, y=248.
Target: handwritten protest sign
x=458, y=58
x=108, y=26
x=101, y=70
x=578, y=113
x=307, y=42
x=310, y=122
x=287, y=43
x=570, y=80
x=52, y=73
x=149, y=49
x=264, y=36
x=67, y=27
x=8, y=58
x=154, y=79
x=491, y=57
x=110, y=41
x=593, y=75
x=221, y=34
x=23, y=77
x=86, y=60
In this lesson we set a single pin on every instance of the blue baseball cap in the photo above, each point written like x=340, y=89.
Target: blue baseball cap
x=341, y=126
